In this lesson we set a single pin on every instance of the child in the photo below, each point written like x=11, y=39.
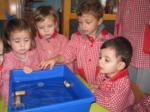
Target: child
x=21, y=53
x=132, y=22
x=113, y=89
x=84, y=45
x=49, y=41
x=1, y=62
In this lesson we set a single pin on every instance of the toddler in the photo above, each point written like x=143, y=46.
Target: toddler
x=1, y=62
x=20, y=51
x=49, y=41
x=113, y=90
x=84, y=44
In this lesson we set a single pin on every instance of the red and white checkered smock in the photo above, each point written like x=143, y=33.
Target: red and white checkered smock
x=50, y=47
x=114, y=93
x=0, y=80
x=12, y=62
x=142, y=106
x=86, y=52
x=132, y=17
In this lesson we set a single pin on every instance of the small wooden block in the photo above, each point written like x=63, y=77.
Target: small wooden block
x=20, y=93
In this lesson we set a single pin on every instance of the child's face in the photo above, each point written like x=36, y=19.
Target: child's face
x=109, y=63
x=1, y=51
x=20, y=42
x=47, y=27
x=88, y=24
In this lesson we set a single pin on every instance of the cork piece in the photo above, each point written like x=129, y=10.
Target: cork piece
x=20, y=93
x=67, y=84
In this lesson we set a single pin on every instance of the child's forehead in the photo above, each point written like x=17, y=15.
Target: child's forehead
x=108, y=50
x=87, y=16
x=46, y=18
x=22, y=33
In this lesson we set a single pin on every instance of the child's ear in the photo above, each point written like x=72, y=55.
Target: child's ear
x=121, y=65
x=100, y=21
x=8, y=42
x=56, y=26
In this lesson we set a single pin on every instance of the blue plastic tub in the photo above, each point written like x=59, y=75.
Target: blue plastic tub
x=56, y=90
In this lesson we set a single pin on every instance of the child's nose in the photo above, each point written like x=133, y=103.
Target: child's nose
x=22, y=44
x=45, y=29
x=84, y=26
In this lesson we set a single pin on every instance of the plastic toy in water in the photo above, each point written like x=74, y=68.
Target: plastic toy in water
x=67, y=84
x=51, y=90
x=17, y=99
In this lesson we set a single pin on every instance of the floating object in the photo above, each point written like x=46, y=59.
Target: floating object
x=17, y=98
x=67, y=84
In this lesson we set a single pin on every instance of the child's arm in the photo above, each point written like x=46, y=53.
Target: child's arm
x=52, y=61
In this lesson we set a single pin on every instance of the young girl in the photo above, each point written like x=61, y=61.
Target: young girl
x=1, y=62
x=49, y=41
x=84, y=45
x=113, y=89
x=21, y=53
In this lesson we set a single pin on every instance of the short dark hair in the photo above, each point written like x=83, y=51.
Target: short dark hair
x=42, y=12
x=17, y=25
x=90, y=6
x=122, y=46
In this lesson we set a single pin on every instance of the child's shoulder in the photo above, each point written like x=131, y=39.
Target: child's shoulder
x=77, y=34
x=61, y=36
x=8, y=54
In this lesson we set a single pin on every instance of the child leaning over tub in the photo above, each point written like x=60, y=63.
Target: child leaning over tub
x=113, y=90
x=49, y=42
x=84, y=45
x=21, y=53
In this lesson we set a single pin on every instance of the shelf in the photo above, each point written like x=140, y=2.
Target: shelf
x=106, y=16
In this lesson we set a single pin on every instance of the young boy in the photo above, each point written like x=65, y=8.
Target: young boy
x=113, y=90
x=84, y=45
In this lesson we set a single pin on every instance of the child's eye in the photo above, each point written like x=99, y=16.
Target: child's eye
x=40, y=27
x=26, y=40
x=17, y=41
x=107, y=60
x=50, y=26
x=88, y=22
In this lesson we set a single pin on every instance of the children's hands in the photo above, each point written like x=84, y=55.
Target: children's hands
x=27, y=69
x=47, y=63
x=93, y=88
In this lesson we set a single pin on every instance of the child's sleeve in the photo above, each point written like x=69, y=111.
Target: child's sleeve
x=34, y=60
x=70, y=51
x=7, y=66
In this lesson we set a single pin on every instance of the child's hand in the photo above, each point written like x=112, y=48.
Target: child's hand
x=47, y=63
x=93, y=88
x=27, y=69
